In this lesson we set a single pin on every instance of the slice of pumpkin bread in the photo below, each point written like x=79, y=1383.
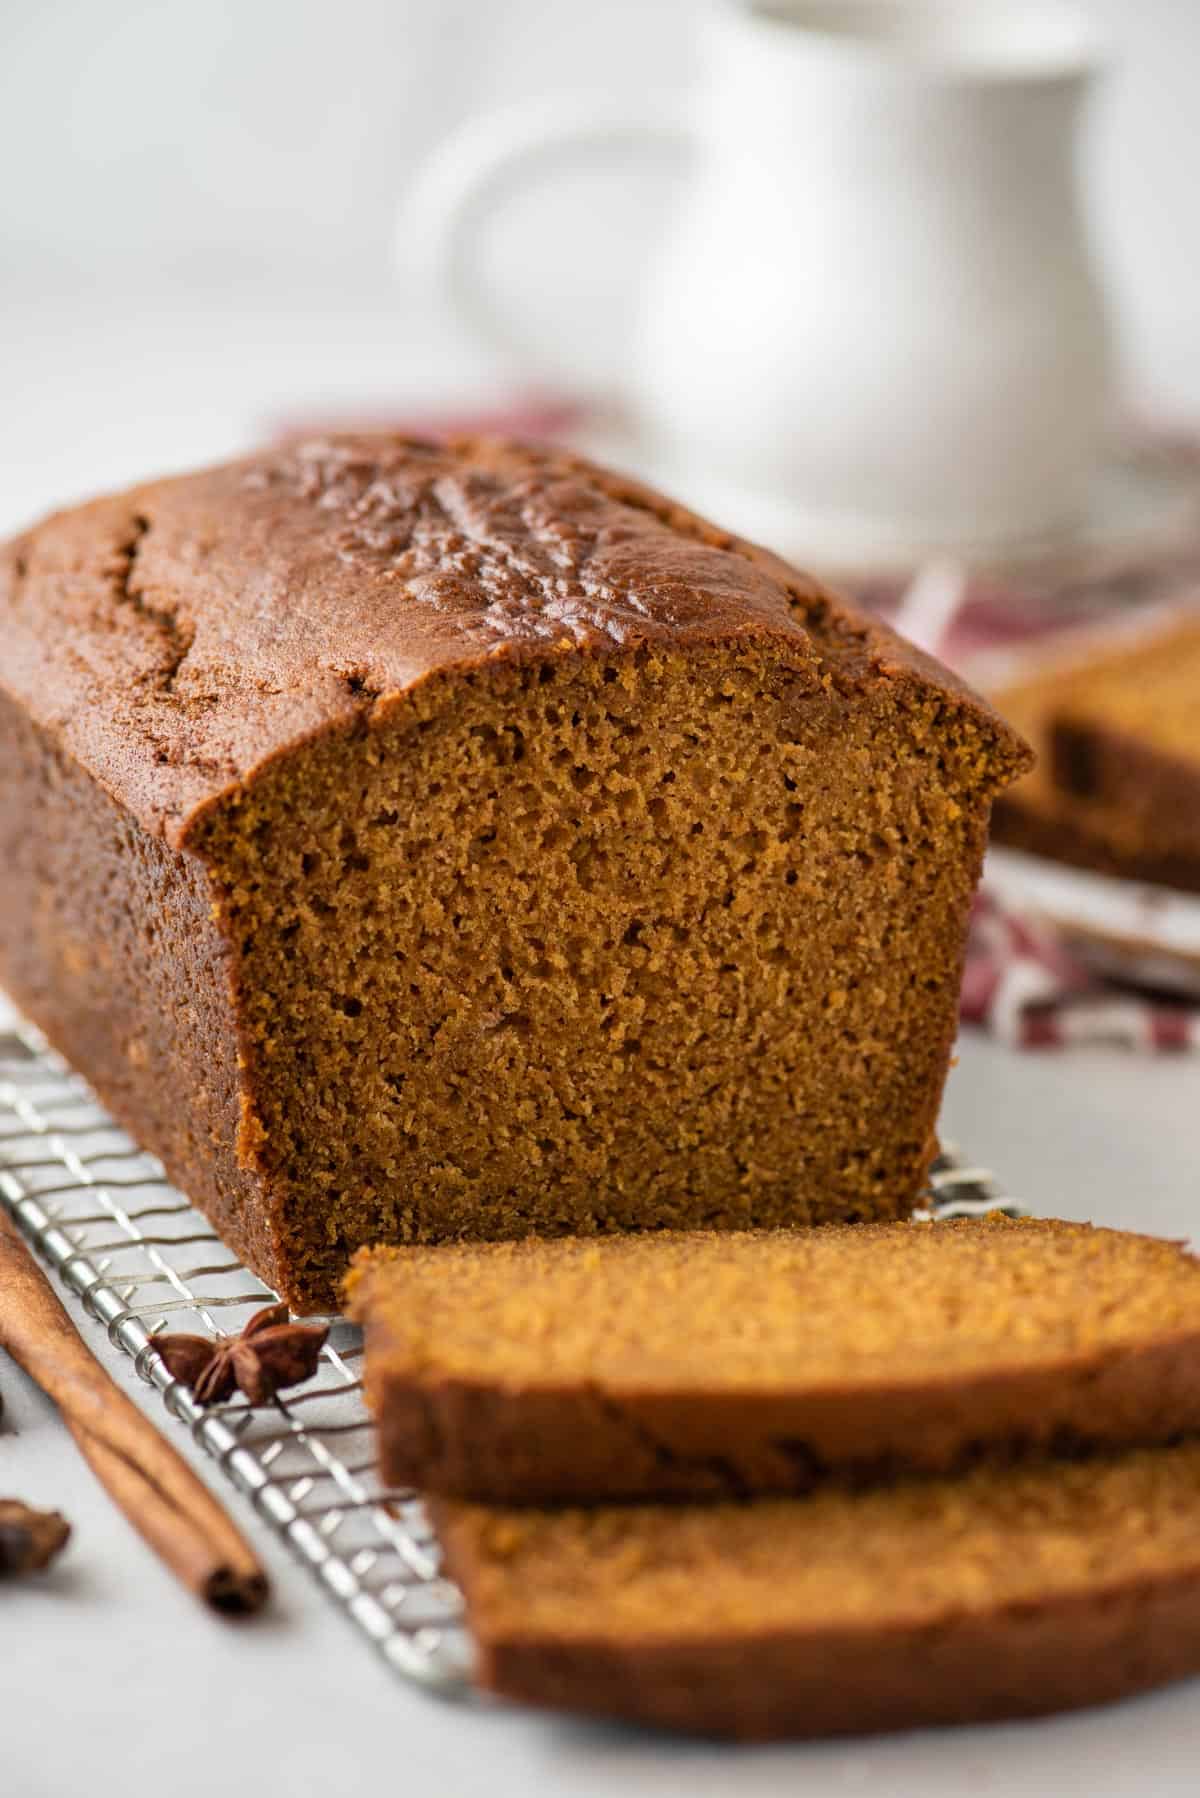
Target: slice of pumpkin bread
x=1128, y=737
x=700, y=1364
x=1003, y=1593
x=1114, y=721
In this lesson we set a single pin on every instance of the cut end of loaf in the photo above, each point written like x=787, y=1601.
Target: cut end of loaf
x=659, y=939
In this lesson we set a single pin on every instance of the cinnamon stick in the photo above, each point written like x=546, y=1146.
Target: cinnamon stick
x=157, y=1490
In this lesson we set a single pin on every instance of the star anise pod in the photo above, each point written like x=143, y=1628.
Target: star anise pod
x=267, y=1355
x=29, y=1539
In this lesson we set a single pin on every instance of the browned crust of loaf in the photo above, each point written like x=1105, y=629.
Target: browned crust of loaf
x=109, y=930
x=1019, y=1660
x=243, y=610
x=505, y=1444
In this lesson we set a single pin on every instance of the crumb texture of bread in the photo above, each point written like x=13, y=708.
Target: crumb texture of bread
x=701, y=1364
x=557, y=863
x=1004, y=1593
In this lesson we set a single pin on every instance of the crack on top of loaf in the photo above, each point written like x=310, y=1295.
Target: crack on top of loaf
x=126, y=562
x=177, y=637
x=359, y=684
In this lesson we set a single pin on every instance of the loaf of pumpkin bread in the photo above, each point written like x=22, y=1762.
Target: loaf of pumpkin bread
x=417, y=842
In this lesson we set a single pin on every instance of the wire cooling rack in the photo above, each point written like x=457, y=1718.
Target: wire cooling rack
x=136, y=1255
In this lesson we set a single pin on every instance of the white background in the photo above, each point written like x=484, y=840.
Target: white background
x=196, y=203
x=197, y=200
x=193, y=137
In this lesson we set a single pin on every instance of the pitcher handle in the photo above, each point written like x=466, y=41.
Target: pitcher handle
x=494, y=155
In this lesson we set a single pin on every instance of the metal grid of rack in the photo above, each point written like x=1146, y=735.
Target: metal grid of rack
x=137, y=1255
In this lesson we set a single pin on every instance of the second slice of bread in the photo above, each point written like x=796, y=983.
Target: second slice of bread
x=1008, y=1592
x=693, y=1364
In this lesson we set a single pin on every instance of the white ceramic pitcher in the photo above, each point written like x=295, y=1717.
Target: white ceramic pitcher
x=877, y=310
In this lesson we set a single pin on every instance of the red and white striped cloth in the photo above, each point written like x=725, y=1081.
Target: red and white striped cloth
x=1025, y=987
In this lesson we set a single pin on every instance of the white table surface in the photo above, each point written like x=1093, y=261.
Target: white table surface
x=115, y=1680
x=113, y=1676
